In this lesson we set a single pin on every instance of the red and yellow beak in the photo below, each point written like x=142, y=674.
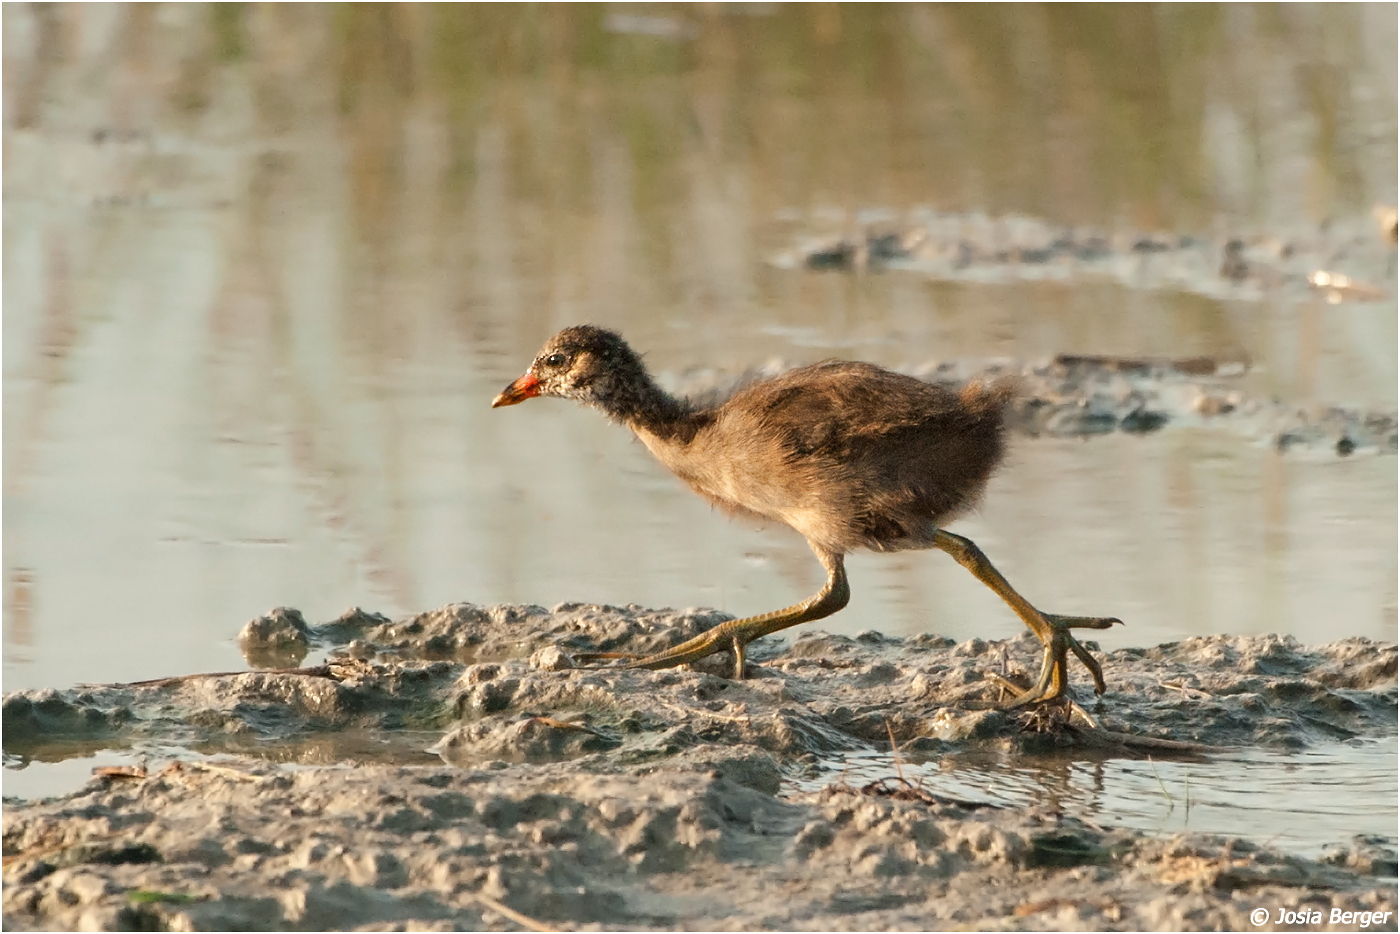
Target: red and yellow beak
x=524, y=388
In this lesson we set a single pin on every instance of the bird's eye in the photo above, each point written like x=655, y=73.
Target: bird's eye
x=555, y=360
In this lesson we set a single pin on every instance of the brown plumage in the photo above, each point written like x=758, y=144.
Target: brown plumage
x=848, y=454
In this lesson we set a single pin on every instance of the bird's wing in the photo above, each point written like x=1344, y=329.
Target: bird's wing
x=831, y=409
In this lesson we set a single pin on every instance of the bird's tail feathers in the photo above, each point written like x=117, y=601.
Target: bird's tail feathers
x=984, y=396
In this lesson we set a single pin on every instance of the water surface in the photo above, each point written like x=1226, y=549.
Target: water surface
x=1305, y=802
x=266, y=266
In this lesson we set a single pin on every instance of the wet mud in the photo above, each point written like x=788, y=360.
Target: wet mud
x=461, y=769
x=1342, y=261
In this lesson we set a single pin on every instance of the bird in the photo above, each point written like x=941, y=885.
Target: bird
x=847, y=453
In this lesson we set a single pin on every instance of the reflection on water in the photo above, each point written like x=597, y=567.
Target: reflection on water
x=265, y=267
x=1305, y=802
x=63, y=768
x=28, y=781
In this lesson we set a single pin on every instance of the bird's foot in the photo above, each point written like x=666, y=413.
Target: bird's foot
x=734, y=635
x=1053, y=684
x=702, y=646
x=720, y=639
x=1046, y=715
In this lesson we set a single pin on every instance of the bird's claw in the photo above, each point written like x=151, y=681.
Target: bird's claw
x=1052, y=686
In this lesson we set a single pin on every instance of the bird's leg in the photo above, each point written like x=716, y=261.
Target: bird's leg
x=1052, y=630
x=736, y=634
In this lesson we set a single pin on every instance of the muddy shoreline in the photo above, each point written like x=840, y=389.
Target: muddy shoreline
x=1346, y=261
x=572, y=798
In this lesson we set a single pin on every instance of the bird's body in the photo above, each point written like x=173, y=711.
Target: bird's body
x=848, y=454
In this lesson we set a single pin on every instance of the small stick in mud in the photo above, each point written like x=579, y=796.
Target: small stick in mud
x=848, y=454
x=119, y=773
x=900, y=788
x=1171, y=802
x=1185, y=689
x=318, y=671
x=525, y=921
x=894, y=753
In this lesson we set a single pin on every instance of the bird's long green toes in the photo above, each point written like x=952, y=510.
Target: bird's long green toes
x=735, y=634
x=731, y=636
x=1053, y=683
x=707, y=643
x=1051, y=686
x=702, y=646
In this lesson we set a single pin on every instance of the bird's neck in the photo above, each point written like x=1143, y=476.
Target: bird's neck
x=668, y=426
x=637, y=402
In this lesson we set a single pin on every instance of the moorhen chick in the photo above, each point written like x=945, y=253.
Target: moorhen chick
x=848, y=454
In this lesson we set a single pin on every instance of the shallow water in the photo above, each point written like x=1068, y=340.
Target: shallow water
x=256, y=306
x=1180, y=533
x=61, y=769
x=1304, y=802
x=265, y=268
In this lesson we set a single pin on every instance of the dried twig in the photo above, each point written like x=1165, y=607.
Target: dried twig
x=520, y=919
x=317, y=671
x=1171, y=802
x=704, y=713
x=1170, y=746
x=121, y=772
x=1185, y=689
x=894, y=752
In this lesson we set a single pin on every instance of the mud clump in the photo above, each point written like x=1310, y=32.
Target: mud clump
x=278, y=639
x=30, y=716
x=570, y=795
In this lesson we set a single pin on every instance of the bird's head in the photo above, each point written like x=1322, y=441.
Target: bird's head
x=585, y=363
